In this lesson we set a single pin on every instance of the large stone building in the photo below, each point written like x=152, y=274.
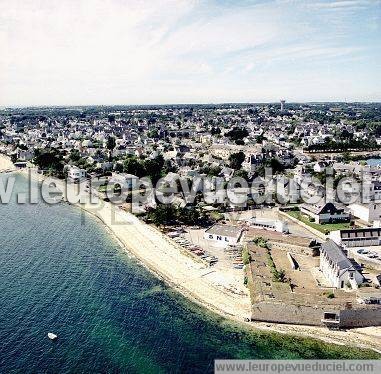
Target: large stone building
x=339, y=271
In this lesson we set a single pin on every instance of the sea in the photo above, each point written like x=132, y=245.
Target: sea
x=62, y=272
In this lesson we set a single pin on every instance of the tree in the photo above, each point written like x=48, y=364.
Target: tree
x=211, y=171
x=237, y=133
x=260, y=138
x=246, y=256
x=153, y=133
x=49, y=159
x=346, y=156
x=241, y=174
x=162, y=215
x=133, y=166
x=111, y=143
x=153, y=168
x=169, y=167
x=188, y=216
x=118, y=167
x=236, y=160
x=215, y=131
x=166, y=214
x=74, y=155
x=276, y=165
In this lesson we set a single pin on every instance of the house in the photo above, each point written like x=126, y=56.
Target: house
x=367, y=212
x=23, y=155
x=267, y=224
x=357, y=237
x=223, y=235
x=75, y=174
x=225, y=150
x=127, y=181
x=339, y=271
x=375, y=191
x=319, y=167
x=237, y=197
x=252, y=162
x=227, y=173
x=325, y=213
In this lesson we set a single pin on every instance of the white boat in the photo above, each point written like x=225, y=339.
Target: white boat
x=52, y=336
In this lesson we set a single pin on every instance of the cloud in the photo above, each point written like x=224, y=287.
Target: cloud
x=105, y=51
x=344, y=4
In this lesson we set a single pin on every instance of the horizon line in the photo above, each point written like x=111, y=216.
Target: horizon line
x=4, y=107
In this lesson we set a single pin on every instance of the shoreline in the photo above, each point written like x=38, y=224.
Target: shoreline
x=183, y=274
x=302, y=331
x=313, y=332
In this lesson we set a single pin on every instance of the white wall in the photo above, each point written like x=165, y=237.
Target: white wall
x=343, y=279
x=367, y=213
x=221, y=240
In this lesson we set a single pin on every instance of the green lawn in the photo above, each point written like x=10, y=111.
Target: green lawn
x=322, y=228
x=216, y=216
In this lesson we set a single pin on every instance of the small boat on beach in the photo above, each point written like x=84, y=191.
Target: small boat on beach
x=52, y=336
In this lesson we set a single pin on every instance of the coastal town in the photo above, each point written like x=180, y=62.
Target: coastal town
x=190, y=186
x=285, y=228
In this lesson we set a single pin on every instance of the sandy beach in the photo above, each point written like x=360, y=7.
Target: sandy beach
x=5, y=164
x=167, y=259
x=195, y=280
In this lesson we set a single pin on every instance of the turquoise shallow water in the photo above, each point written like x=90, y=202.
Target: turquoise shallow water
x=374, y=161
x=60, y=271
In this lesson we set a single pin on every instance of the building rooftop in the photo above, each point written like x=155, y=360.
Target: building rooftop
x=322, y=208
x=335, y=253
x=224, y=230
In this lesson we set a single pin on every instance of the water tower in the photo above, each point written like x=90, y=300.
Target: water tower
x=282, y=103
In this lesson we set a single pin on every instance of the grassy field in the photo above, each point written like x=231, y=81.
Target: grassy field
x=327, y=227
x=216, y=216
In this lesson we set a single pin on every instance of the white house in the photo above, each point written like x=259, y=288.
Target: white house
x=375, y=191
x=24, y=155
x=367, y=212
x=319, y=167
x=124, y=180
x=223, y=235
x=339, y=271
x=75, y=174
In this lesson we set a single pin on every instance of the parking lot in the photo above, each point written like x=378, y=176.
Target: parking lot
x=369, y=254
x=271, y=214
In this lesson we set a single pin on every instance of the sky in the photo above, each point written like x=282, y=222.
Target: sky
x=101, y=52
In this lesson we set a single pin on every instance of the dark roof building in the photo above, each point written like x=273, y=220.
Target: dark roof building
x=325, y=213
